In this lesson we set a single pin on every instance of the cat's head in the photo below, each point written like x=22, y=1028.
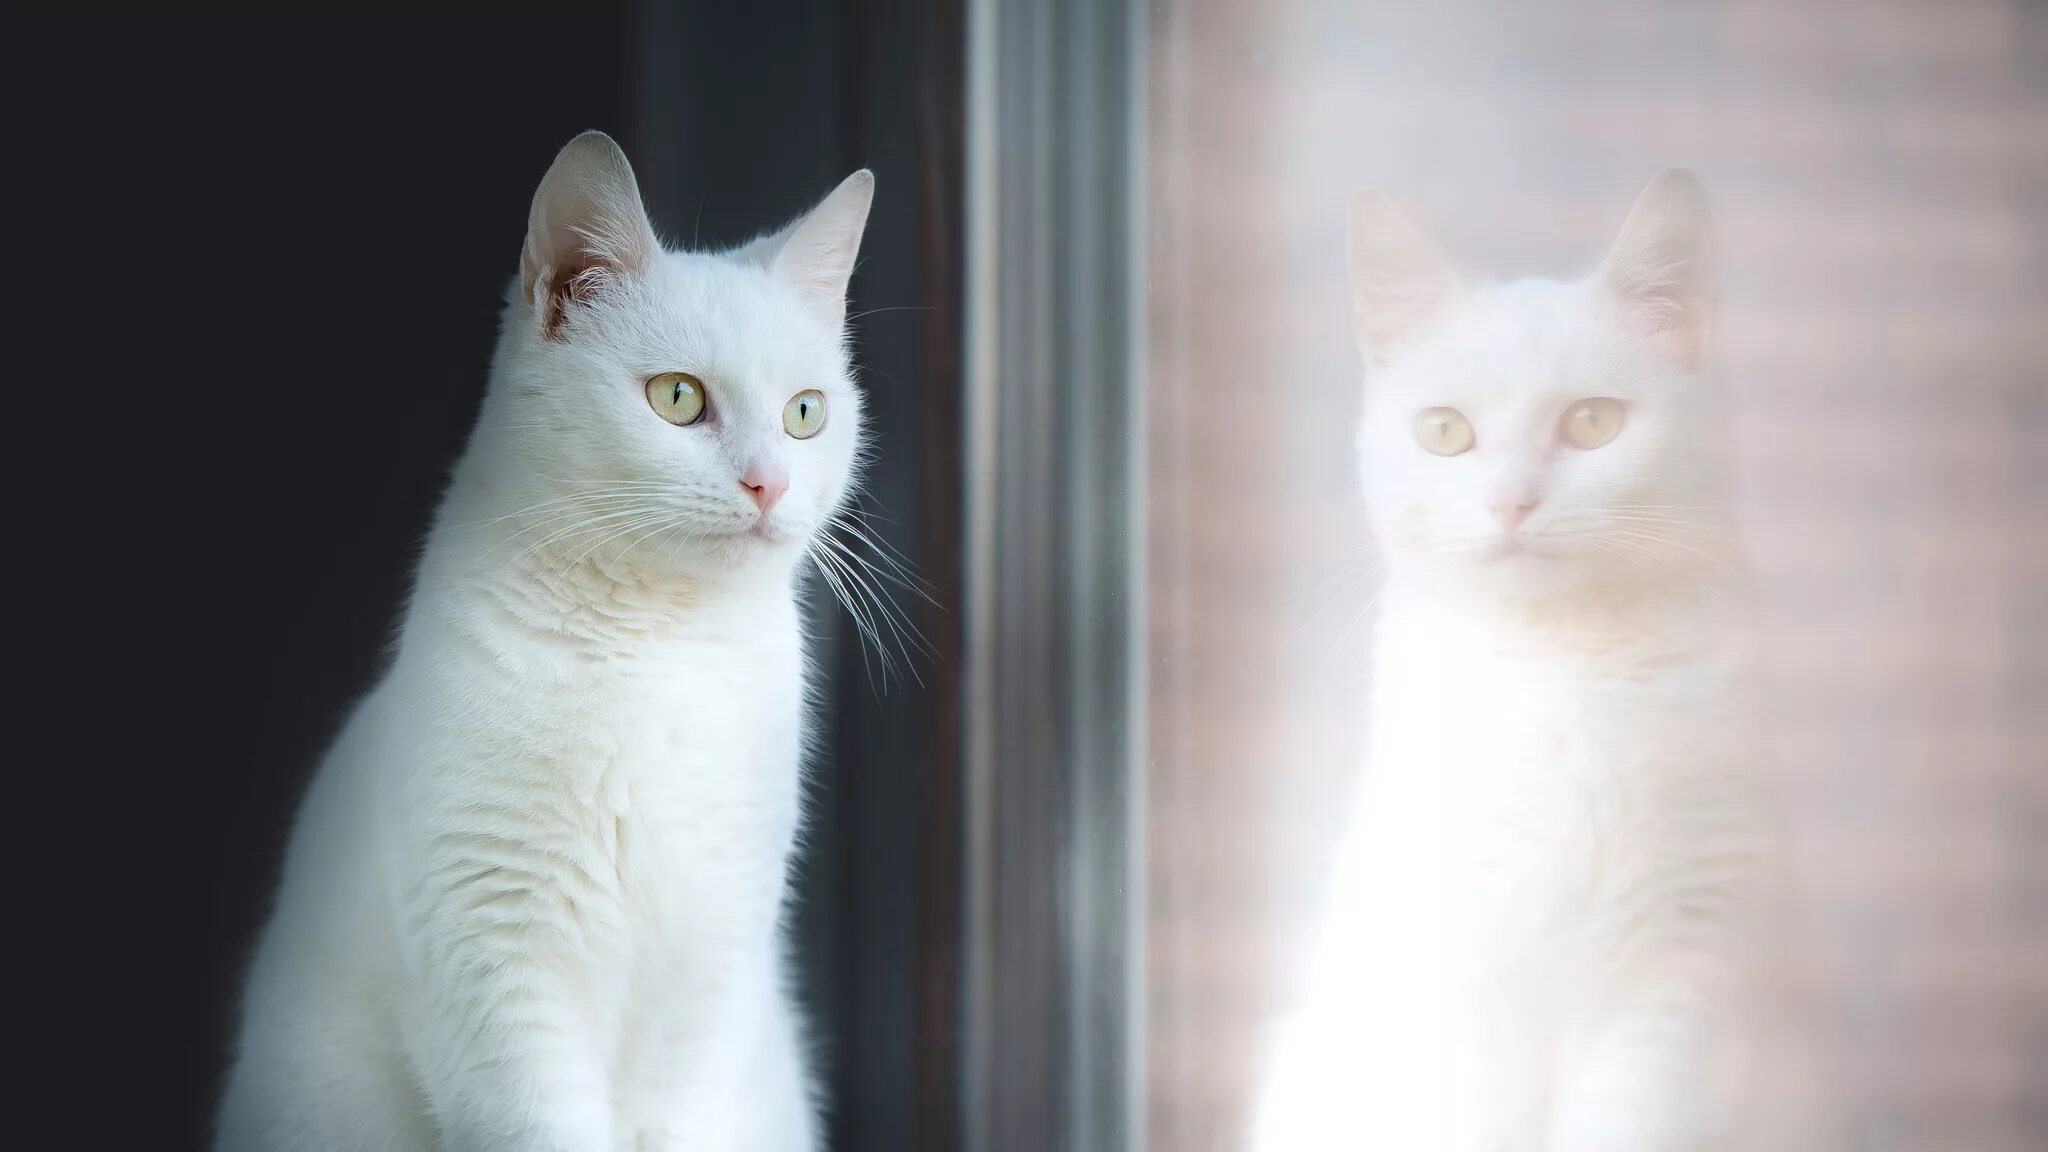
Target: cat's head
x=1540, y=436
x=657, y=408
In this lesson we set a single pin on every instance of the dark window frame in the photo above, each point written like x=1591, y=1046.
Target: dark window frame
x=1055, y=576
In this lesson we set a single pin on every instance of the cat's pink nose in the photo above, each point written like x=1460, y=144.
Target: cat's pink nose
x=765, y=483
x=1512, y=512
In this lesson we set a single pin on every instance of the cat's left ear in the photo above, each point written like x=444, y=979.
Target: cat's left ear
x=1661, y=270
x=587, y=227
x=817, y=253
x=1400, y=280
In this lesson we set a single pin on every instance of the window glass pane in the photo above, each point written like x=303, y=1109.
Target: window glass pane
x=1877, y=174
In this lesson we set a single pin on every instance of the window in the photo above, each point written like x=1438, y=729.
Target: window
x=1063, y=856
x=1875, y=173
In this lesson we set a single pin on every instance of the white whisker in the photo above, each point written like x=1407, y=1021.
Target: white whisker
x=871, y=637
x=886, y=610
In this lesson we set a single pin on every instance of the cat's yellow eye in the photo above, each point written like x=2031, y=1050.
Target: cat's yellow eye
x=676, y=397
x=804, y=416
x=1591, y=423
x=1444, y=431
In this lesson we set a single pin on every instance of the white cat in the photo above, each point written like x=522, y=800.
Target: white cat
x=1549, y=871
x=532, y=899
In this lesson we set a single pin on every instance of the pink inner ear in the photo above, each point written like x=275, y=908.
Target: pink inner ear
x=576, y=283
x=1668, y=314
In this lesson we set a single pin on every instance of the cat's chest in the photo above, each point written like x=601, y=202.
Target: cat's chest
x=663, y=790
x=1508, y=714
x=1527, y=772
x=698, y=787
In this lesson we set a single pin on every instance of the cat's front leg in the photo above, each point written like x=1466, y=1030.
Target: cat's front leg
x=1632, y=1090
x=505, y=1070
x=746, y=1086
x=1364, y=1087
x=503, y=994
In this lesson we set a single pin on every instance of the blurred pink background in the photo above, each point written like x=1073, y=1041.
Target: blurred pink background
x=1880, y=175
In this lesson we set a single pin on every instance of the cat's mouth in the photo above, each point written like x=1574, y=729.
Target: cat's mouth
x=755, y=527
x=764, y=529
x=767, y=529
x=1510, y=548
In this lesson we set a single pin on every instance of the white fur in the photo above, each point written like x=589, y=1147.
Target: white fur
x=532, y=899
x=1555, y=844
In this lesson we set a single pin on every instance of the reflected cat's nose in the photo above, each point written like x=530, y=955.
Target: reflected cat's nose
x=1511, y=512
x=765, y=483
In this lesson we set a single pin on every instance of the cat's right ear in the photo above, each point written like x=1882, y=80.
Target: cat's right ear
x=1399, y=279
x=1661, y=270
x=587, y=228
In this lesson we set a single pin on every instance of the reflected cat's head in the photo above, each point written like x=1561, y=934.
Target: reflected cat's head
x=663, y=409
x=1539, y=435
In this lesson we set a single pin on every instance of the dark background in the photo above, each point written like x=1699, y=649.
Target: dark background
x=371, y=201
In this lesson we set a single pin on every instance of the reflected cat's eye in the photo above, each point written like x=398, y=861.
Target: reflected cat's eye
x=1444, y=431
x=804, y=416
x=676, y=397
x=1591, y=423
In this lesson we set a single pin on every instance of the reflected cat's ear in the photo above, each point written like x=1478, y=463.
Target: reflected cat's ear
x=1399, y=279
x=1661, y=270
x=817, y=252
x=587, y=227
